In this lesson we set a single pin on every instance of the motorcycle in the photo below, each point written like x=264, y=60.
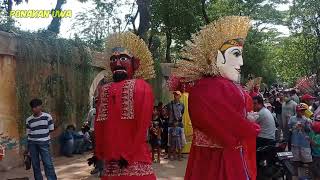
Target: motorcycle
x=273, y=162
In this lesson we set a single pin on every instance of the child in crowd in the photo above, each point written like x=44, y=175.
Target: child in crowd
x=155, y=140
x=299, y=125
x=87, y=143
x=175, y=137
x=315, y=145
x=165, y=126
x=78, y=142
x=67, y=141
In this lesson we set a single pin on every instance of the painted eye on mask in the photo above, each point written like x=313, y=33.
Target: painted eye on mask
x=123, y=58
x=113, y=59
x=236, y=53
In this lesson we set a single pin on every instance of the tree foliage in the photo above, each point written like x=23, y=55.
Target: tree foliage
x=6, y=5
x=176, y=19
x=166, y=24
x=95, y=24
x=297, y=55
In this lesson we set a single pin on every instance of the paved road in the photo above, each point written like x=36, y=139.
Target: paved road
x=77, y=168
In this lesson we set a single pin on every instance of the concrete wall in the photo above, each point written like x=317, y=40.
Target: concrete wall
x=10, y=110
x=18, y=85
x=9, y=136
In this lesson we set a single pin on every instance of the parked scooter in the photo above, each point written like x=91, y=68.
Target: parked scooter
x=273, y=162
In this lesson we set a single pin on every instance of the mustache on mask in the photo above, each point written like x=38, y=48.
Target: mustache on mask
x=119, y=68
x=117, y=77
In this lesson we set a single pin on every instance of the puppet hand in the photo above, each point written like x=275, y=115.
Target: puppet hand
x=92, y=160
x=123, y=163
x=252, y=116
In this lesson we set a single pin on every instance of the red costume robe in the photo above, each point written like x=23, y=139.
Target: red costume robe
x=250, y=143
x=124, y=113
x=217, y=109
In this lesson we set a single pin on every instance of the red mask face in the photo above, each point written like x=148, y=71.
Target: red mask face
x=122, y=64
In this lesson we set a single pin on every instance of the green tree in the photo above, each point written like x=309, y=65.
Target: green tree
x=258, y=53
x=6, y=5
x=176, y=20
x=293, y=57
x=55, y=24
x=304, y=22
x=95, y=24
x=7, y=23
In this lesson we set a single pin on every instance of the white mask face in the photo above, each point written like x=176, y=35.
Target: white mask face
x=230, y=64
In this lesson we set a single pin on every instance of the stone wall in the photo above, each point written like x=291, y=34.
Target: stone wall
x=9, y=136
x=62, y=84
x=66, y=87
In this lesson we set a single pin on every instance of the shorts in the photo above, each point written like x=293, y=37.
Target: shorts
x=184, y=141
x=155, y=143
x=315, y=167
x=301, y=154
x=176, y=142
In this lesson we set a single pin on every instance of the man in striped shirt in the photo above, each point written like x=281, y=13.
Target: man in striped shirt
x=39, y=126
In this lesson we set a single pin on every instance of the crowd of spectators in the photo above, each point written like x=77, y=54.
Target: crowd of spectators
x=293, y=117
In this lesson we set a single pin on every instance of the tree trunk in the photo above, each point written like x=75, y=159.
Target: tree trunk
x=9, y=6
x=56, y=21
x=133, y=20
x=168, y=49
x=150, y=40
x=145, y=18
x=204, y=12
x=315, y=55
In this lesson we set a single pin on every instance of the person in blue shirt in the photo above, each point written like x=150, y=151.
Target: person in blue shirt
x=67, y=141
x=300, y=127
x=175, y=136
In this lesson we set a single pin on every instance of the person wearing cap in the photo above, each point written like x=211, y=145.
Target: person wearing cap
x=175, y=111
x=307, y=113
x=308, y=99
x=300, y=127
x=315, y=146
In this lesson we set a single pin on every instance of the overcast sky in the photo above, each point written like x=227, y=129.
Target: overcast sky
x=66, y=31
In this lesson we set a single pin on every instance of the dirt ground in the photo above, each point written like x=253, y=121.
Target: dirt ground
x=77, y=168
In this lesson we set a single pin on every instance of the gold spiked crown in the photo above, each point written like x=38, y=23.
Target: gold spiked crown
x=137, y=47
x=200, y=53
